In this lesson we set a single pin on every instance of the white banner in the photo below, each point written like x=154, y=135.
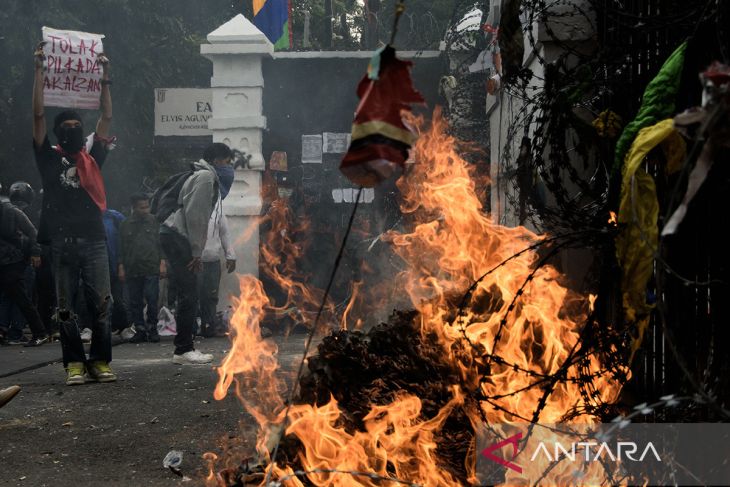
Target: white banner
x=311, y=149
x=182, y=111
x=73, y=73
x=335, y=143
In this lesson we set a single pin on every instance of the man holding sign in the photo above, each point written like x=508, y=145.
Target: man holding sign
x=74, y=199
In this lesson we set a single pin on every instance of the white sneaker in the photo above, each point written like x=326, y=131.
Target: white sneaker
x=86, y=335
x=127, y=333
x=192, y=357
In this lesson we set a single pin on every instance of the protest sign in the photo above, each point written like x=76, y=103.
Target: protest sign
x=73, y=72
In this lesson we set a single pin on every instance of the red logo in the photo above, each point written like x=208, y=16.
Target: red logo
x=514, y=441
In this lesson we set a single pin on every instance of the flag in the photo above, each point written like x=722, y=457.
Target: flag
x=380, y=137
x=273, y=18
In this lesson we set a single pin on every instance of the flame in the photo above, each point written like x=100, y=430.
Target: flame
x=612, y=219
x=456, y=243
x=394, y=436
x=351, y=303
x=281, y=253
x=252, y=364
x=526, y=323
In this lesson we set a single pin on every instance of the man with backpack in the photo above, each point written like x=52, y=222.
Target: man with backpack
x=17, y=240
x=184, y=206
x=219, y=240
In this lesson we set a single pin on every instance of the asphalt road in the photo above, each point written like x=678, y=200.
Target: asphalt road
x=117, y=434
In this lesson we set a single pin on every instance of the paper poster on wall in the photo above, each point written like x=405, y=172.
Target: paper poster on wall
x=278, y=161
x=73, y=73
x=335, y=143
x=311, y=149
x=348, y=195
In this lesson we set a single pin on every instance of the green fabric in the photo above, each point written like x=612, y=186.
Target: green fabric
x=656, y=104
x=140, y=246
x=284, y=42
x=374, y=65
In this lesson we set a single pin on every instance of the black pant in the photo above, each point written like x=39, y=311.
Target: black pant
x=208, y=282
x=119, y=317
x=12, y=285
x=178, y=253
x=82, y=266
x=141, y=289
x=46, y=290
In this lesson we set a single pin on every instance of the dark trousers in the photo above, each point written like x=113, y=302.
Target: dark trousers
x=119, y=318
x=10, y=314
x=139, y=290
x=12, y=287
x=82, y=265
x=177, y=251
x=46, y=289
x=208, y=282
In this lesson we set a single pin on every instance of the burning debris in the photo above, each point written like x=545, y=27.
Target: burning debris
x=493, y=337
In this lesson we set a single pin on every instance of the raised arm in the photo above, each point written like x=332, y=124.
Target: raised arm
x=39, y=113
x=105, y=120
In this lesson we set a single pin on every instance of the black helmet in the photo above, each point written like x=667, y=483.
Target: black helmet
x=21, y=192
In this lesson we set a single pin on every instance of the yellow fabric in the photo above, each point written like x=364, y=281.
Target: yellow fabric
x=258, y=5
x=360, y=131
x=675, y=150
x=608, y=124
x=637, y=218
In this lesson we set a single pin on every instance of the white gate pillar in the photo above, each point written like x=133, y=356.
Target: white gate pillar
x=236, y=50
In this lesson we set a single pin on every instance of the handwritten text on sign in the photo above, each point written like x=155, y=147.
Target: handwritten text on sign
x=73, y=72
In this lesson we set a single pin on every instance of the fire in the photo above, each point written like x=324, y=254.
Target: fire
x=451, y=248
x=521, y=323
x=281, y=252
x=252, y=364
x=394, y=436
x=350, y=304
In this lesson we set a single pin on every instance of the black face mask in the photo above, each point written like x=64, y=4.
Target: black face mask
x=71, y=139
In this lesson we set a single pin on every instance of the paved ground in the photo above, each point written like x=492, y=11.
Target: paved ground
x=117, y=434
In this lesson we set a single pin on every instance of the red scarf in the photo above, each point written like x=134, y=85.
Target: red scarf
x=89, y=175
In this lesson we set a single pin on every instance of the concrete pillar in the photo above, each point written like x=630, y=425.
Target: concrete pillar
x=236, y=50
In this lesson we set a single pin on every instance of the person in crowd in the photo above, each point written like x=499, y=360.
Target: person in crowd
x=45, y=286
x=112, y=224
x=71, y=222
x=21, y=195
x=183, y=235
x=18, y=247
x=141, y=267
x=219, y=238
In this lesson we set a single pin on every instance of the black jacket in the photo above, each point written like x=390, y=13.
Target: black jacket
x=17, y=235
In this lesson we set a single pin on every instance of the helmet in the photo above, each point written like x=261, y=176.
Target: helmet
x=21, y=192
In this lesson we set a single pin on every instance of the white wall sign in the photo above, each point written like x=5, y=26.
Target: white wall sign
x=73, y=73
x=311, y=149
x=348, y=195
x=182, y=111
x=335, y=143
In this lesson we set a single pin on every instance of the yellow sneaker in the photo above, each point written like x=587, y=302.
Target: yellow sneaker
x=101, y=372
x=75, y=373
